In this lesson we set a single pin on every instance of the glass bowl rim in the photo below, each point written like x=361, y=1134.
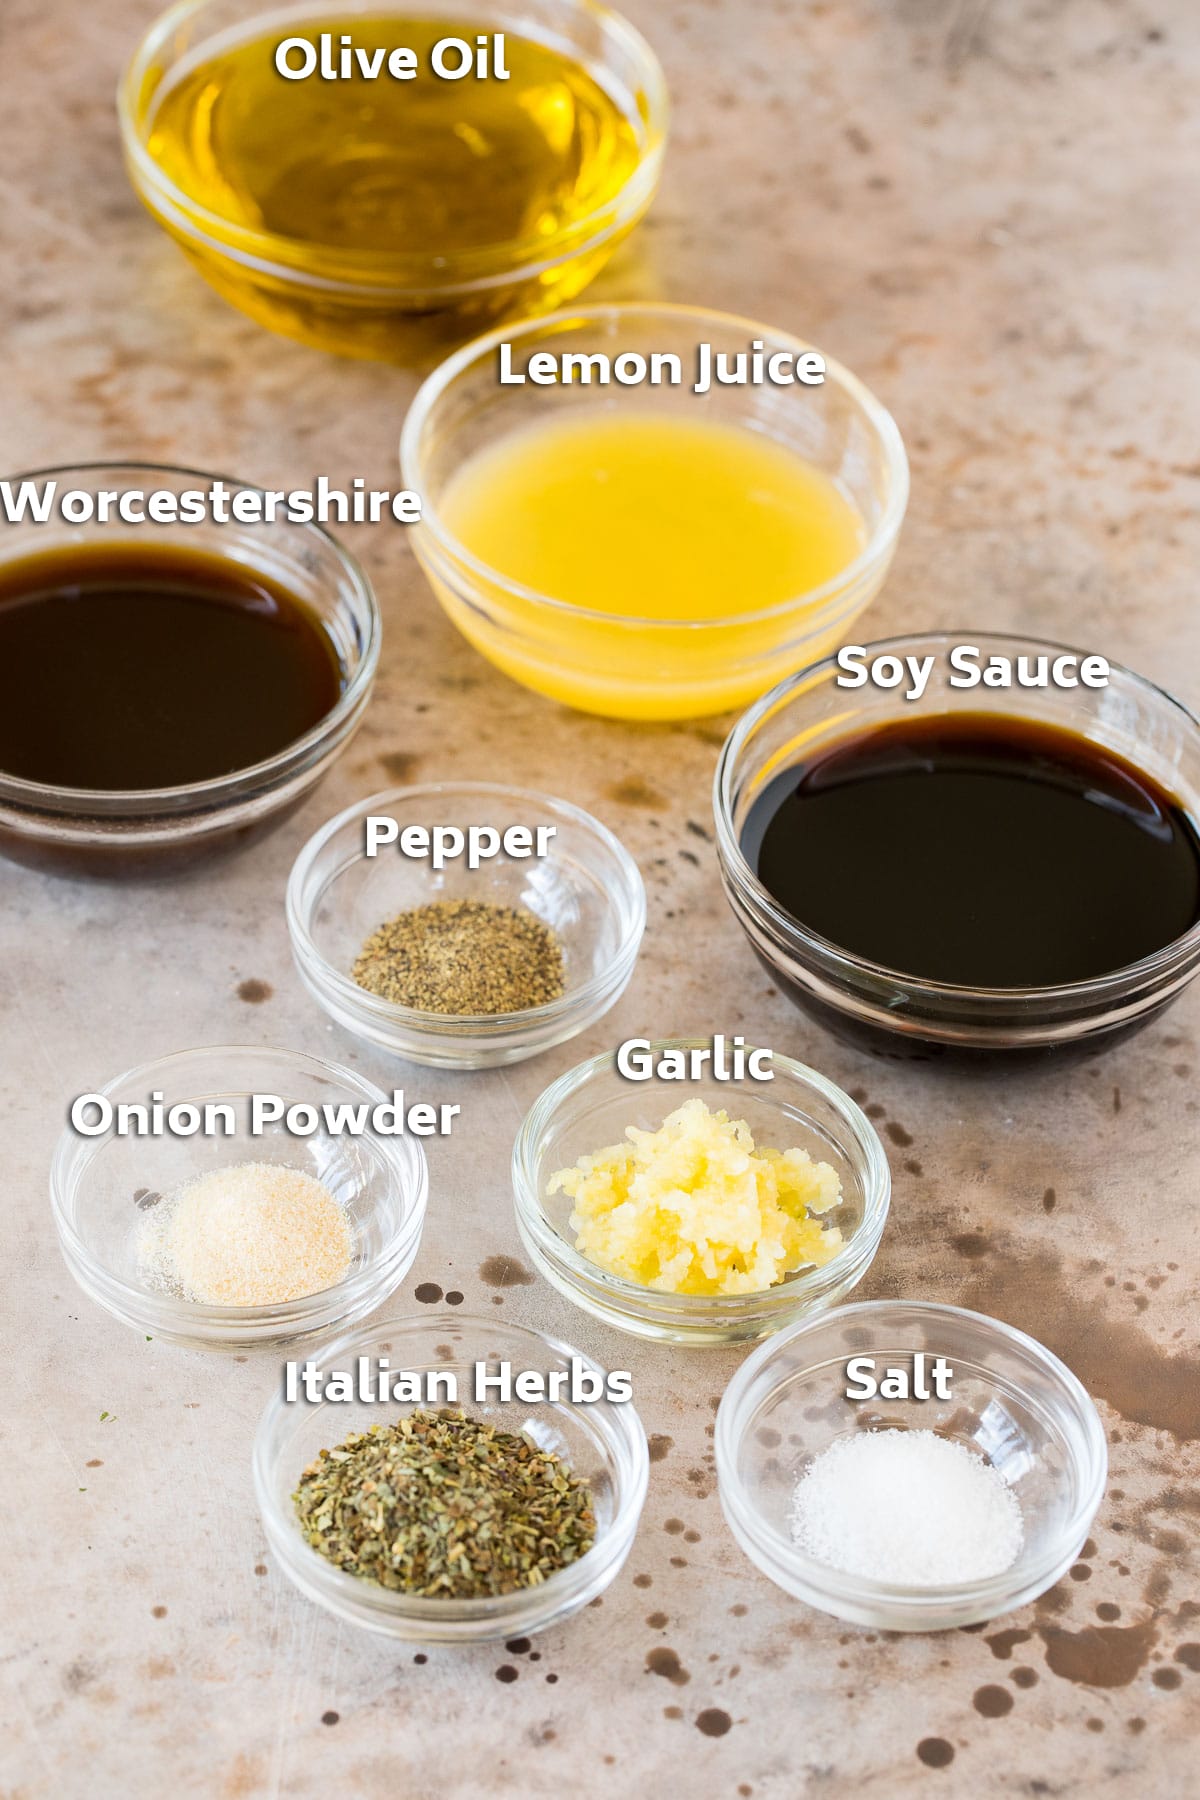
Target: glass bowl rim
x=820, y=601
x=389, y=1012
x=217, y=788
x=844, y=962
x=632, y=1296
x=482, y=266
x=623, y=1432
x=1089, y=1455
x=411, y=1181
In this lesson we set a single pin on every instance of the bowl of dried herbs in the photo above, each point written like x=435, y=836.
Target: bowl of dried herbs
x=446, y=1479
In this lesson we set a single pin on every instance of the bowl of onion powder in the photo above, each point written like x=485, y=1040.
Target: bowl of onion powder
x=234, y=1196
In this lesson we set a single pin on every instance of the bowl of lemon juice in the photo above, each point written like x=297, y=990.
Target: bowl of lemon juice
x=387, y=181
x=652, y=511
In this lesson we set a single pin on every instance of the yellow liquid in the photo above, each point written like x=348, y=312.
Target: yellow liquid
x=428, y=167
x=645, y=517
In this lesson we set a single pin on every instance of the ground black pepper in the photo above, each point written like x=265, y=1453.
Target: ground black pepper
x=461, y=958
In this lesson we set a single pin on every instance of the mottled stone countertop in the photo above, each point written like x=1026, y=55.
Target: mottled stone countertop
x=989, y=211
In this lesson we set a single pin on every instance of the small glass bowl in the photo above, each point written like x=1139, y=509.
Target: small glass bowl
x=590, y=1108
x=586, y=888
x=645, y=668
x=99, y=1189
x=900, y=1015
x=152, y=831
x=394, y=303
x=603, y=1442
x=1013, y=1401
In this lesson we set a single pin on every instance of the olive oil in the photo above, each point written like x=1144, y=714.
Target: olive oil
x=131, y=668
x=408, y=195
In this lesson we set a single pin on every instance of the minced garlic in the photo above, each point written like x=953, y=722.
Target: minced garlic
x=696, y=1208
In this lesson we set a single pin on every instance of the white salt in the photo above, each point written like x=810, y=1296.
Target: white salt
x=907, y=1507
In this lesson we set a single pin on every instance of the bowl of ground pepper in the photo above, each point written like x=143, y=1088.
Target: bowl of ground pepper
x=489, y=1517
x=485, y=960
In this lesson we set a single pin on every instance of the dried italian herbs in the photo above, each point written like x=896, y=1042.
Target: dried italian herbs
x=446, y=1507
x=463, y=958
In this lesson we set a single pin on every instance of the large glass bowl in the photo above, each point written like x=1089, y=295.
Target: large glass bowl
x=892, y=1011
x=625, y=666
x=1013, y=1403
x=603, y=1442
x=394, y=302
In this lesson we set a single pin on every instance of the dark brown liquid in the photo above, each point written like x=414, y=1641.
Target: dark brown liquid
x=131, y=667
x=980, y=851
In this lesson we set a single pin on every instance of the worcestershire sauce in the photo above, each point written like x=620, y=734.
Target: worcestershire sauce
x=980, y=851
x=135, y=667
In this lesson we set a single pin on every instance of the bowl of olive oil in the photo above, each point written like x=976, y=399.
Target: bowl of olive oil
x=383, y=183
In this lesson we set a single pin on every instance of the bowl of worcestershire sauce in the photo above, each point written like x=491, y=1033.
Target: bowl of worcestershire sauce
x=984, y=871
x=168, y=690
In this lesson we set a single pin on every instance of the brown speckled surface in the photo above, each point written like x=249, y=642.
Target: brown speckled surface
x=989, y=212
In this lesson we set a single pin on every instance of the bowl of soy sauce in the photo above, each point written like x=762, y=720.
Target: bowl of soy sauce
x=986, y=871
x=172, y=683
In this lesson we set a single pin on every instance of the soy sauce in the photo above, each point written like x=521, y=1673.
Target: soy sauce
x=980, y=851
x=137, y=667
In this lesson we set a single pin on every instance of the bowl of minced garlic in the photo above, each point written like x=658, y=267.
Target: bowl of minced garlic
x=702, y=1211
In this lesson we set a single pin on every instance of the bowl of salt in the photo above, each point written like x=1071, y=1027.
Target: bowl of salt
x=909, y=1466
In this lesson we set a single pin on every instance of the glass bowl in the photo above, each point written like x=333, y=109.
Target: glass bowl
x=100, y=1187
x=149, y=831
x=586, y=888
x=1013, y=1402
x=590, y=1107
x=602, y=1441
x=644, y=668
x=393, y=302
x=901, y=1015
